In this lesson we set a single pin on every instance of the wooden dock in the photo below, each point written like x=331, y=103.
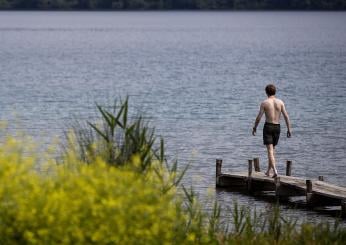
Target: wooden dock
x=317, y=192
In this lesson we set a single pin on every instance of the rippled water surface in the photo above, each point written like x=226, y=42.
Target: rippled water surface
x=199, y=76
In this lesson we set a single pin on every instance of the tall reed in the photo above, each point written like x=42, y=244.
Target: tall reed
x=116, y=139
x=131, y=144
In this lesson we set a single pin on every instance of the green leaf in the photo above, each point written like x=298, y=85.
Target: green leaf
x=104, y=115
x=126, y=105
x=99, y=132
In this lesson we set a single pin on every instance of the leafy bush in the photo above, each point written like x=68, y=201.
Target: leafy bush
x=76, y=203
x=113, y=186
x=80, y=204
x=115, y=138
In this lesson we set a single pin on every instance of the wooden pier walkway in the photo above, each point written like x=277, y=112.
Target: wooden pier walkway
x=317, y=192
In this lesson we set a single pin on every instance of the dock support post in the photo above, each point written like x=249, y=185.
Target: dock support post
x=256, y=164
x=250, y=168
x=249, y=188
x=320, y=178
x=288, y=168
x=218, y=170
x=343, y=208
x=309, y=192
x=277, y=187
x=218, y=167
x=308, y=186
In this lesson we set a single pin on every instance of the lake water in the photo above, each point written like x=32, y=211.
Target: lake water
x=198, y=76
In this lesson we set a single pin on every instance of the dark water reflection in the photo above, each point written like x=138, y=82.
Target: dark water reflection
x=198, y=76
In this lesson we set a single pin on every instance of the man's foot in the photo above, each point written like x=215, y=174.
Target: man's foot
x=266, y=173
x=275, y=173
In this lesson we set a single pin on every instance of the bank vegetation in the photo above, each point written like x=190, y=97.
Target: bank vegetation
x=175, y=4
x=111, y=183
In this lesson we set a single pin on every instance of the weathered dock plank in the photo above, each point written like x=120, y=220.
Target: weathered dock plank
x=317, y=192
x=330, y=190
x=319, y=187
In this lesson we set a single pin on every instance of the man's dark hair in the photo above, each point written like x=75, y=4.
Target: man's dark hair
x=270, y=89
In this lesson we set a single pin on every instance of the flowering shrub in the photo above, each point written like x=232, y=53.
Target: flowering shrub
x=76, y=203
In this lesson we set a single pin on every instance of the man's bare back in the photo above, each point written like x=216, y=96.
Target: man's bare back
x=272, y=108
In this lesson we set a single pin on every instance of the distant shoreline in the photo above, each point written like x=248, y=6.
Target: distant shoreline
x=121, y=5
x=172, y=10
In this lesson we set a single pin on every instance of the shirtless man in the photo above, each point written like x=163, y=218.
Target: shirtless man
x=272, y=108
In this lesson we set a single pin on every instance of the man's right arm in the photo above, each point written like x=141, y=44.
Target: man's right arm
x=258, y=119
x=287, y=120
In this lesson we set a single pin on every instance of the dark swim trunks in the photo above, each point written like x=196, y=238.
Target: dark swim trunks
x=271, y=133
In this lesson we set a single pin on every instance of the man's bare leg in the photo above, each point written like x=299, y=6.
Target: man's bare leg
x=271, y=160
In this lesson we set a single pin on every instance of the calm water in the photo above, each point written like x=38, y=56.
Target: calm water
x=199, y=77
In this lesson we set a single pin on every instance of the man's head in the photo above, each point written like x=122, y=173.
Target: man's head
x=270, y=90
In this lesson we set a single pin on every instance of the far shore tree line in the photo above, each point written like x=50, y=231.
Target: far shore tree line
x=174, y=4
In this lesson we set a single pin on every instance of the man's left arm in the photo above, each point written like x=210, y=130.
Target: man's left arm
x=258, y=119
x=287, y=120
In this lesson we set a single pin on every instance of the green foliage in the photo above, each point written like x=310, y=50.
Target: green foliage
x=96, y=203
x=57, y=4
x=8, y=4
x=253, y=228
x=82, y=204
x=174, y=4
x=115, y=138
